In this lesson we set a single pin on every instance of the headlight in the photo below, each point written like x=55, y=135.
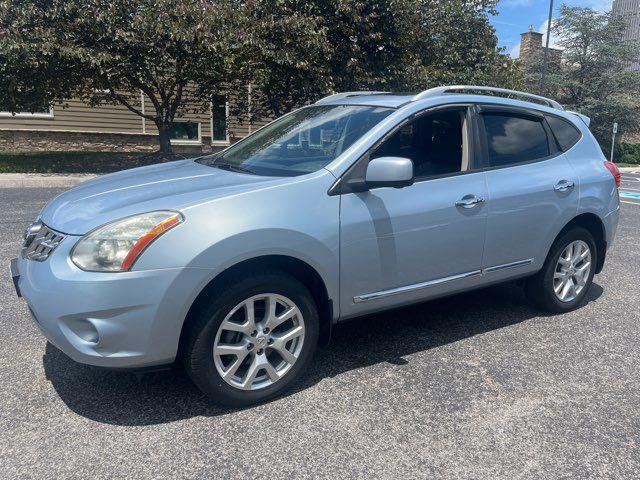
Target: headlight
x=116, y=246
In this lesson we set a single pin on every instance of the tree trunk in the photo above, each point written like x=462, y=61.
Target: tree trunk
x=164, y=137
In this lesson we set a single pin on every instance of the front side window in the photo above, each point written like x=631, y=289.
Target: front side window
x=514, y=139
x=435, y=142
x=302, y=142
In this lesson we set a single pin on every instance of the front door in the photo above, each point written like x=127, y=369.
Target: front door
x=404, y=245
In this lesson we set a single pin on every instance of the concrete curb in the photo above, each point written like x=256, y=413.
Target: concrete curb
x=630, y=169
x=42, y=180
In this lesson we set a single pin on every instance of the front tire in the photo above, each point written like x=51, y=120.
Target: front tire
x=567, y=273
x=252, y=341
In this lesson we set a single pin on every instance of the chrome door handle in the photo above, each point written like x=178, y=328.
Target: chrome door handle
x=563, y=186
x=469, y=201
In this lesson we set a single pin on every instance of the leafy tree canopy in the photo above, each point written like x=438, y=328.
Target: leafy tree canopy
x=107, y=51
x=387, y=45
x=291, y=51
x=594, y=78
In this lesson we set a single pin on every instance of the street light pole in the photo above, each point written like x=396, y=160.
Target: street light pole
x=545, y=63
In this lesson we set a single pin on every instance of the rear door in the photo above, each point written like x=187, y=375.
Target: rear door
x=532, y=187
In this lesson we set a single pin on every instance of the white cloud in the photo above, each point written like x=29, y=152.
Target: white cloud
x=600, y=5
x=553, y=41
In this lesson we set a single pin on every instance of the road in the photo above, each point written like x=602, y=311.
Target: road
x=630, y=187
x=479, y=385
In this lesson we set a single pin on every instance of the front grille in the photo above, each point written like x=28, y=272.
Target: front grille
x=40, y=241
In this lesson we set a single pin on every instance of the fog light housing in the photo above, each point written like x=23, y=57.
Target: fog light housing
x=84, y=329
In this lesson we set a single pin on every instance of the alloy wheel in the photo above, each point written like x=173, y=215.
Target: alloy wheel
x=572, y=271
x=259, y=341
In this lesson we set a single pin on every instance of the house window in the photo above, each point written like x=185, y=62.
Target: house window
x=219, y=114
x=45, y=111
x=185, y=132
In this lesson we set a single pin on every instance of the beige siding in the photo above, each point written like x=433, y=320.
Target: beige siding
x=78, y=117
x=202, y=118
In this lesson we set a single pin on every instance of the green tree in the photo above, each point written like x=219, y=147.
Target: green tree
x=386, y=45
x=594, y=78
x=284, y=58
x=290, y=51
x=457, y=44
x=108, y=51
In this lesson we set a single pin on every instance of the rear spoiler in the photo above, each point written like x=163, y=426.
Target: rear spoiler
x=582, y=117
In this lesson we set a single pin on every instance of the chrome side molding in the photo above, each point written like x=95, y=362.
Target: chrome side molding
x=414, y=287
x=438, y=281
x=505, y=266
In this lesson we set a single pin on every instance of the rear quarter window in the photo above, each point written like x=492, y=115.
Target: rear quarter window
x=565, y=133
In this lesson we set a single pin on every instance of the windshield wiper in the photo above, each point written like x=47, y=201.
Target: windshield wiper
x=232, y=167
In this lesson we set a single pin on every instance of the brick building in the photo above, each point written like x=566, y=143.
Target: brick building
x=532, y=57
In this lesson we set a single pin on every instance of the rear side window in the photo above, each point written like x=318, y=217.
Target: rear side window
x=566, y=134
x=514, y=139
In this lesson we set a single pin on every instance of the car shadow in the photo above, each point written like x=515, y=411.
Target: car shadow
x=124, y=398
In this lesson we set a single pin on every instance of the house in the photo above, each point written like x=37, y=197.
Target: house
x=74, y=126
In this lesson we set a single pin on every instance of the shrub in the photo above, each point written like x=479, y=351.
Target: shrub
x=630, y=158
x=627, y=153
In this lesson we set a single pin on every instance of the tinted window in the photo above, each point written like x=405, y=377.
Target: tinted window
x=512, y=139
x=302, y=142
x=434, y=143
x=566, y=134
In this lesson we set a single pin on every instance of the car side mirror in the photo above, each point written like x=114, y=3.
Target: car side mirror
x=389, y=172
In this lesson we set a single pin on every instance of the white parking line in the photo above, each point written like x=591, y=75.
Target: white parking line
x=630, y=203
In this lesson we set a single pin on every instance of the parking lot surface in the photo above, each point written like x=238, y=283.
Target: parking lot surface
x=630, y=187
x=479, y=385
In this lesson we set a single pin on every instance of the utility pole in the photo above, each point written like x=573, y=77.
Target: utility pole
x=545, y=63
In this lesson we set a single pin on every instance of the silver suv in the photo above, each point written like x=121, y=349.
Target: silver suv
x=239, y=263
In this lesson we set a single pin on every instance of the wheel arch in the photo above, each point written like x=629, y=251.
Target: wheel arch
x=594, y=225
x=299, y=269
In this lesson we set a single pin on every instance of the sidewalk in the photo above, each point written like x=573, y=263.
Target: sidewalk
x=42, y=180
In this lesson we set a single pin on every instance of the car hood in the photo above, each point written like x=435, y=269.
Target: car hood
x=166, y=186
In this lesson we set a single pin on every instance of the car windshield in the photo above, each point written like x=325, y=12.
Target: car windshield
x=303, y=142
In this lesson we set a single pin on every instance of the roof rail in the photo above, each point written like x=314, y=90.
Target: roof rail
x=453, y=88
x=338, y=96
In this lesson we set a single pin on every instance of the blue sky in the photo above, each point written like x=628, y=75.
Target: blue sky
x=515, y=16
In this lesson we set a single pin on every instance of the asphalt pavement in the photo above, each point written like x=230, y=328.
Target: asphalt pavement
x=630, y=187
x=480, y=385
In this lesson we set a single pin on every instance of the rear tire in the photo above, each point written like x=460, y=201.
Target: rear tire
x=567, y=273
x=237, y=361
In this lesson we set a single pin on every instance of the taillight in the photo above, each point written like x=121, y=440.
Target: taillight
x=614, y=171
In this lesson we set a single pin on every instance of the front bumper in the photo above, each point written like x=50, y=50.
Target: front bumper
x=15, y=275
x=117, y=320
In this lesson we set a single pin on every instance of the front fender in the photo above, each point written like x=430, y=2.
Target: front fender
x=322, y=256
